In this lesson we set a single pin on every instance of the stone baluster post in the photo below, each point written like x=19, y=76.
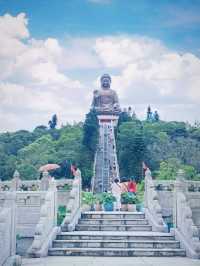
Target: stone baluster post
x=45, y=181
x=16, y=181
x=53, y=188
x=10, y=202
x=179, y=186
x=147, y=187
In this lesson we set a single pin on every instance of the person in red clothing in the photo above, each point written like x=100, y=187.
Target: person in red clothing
x=132, y=186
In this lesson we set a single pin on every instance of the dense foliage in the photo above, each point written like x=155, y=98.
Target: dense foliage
x=27, y=151
x=163, y=146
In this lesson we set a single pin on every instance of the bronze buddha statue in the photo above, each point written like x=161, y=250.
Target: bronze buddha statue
x=105, y=100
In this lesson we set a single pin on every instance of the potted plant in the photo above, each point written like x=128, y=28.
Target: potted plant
x=98, y=202
x=108, y=200
x=124, y=201
x=88, y=199
x=132, y=201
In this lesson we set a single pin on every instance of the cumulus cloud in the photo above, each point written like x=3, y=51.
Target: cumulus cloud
x=32, y=84
x=150, y=73
x=42, y=77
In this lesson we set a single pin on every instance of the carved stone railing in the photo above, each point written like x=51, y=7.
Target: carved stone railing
x=94, y=173
x=17, y=184
x=8, y=230
x=153, y=209
x=6, y=250
x=46, y=228
x=73, y=207
x=185, y=230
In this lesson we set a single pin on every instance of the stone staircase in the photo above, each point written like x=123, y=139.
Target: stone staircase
x=115, y=234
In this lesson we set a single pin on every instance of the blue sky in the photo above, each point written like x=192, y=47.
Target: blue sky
x=53, y=52
x=176, y=22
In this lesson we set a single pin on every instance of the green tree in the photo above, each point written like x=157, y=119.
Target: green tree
x=131, y=149
x=89, y=145
x=38, y=153
x=53, y=122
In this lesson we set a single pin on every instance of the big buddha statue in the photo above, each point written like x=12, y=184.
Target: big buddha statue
x=105, y=100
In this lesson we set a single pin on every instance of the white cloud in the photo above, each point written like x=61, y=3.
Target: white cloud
x=32, y=85
x=36, y=76
x=148, y=71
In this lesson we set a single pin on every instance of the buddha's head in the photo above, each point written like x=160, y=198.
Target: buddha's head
x=105, y=81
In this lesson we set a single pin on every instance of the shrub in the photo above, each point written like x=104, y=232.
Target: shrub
x=88, y=198
x=129, y=198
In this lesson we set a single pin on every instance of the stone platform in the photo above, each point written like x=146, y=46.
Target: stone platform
x=109, y=261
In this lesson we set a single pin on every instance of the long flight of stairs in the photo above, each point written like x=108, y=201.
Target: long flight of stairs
x=115, y=234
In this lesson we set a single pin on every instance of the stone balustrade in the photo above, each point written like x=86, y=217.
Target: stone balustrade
x=17, y=184
x=185, y=229
x=73, y=206
x=153, y=209
x=93, y=177
x=46, y=229
x=8, y=230
x=6, y=250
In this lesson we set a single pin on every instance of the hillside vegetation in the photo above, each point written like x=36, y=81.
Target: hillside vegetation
x=163, y=146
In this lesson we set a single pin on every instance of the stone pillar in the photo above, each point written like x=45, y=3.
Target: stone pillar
x=146, y=187
x=53, y=188
x=179, y=186
x=45, y=181
x=10, y=202
x=16, y=181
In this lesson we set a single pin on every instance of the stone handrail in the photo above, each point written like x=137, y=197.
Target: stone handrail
x=5, y=234
x=73, y=206
x=185, y=230
x=94, y=172
x=46, y=228
x=17, y=184
x=153, y=209
x=168, y=185
x=8, y=231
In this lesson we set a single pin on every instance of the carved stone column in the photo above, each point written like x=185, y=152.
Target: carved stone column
x=45, y=181
x=16, y=181
x=179, y=186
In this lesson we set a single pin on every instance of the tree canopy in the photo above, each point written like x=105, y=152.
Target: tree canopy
x=163, y=146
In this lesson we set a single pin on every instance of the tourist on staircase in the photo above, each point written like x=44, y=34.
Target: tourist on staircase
x=132, y=186
x=124, y=184
x=116, y=191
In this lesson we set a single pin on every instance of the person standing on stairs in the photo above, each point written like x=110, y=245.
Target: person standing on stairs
x=116, y=191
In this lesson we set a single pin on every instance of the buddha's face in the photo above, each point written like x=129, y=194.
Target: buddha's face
x=105, y=83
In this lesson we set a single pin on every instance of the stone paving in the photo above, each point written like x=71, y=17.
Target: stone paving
x=109, y=261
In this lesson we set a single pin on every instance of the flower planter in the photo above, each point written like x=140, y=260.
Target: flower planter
x=108, y=206
x=124, y=207
x=131, y=207
x=98, y=207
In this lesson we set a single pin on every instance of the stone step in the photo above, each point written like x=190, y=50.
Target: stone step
x=125, y=252
x=113, y=221
x=115, y=244
x=112, y=215
x=106, y=235
x=113, y=227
